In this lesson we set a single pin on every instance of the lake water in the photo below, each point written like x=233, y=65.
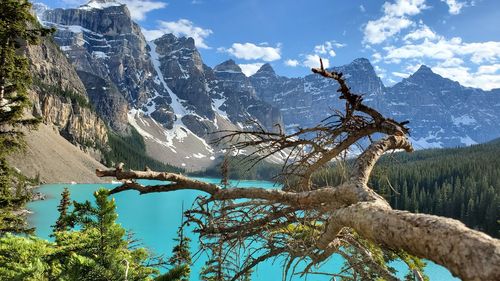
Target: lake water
x=154, y=218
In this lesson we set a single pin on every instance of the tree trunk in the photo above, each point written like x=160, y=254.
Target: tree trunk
x=469, y=254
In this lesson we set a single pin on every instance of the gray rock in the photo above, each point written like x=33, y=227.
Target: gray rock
x=442, y=113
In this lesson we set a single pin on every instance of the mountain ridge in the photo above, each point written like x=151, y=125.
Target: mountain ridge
x=442, y=113
x=176, y=101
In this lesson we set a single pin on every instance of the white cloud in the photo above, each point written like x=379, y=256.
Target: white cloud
x=380, y=71
x=139, y=8
x=468, y=78
x=312, y=61
x=423, y=32
x=404, y=7
x=489, y=69
x=378, y=31
x=250, y=69
x=412, y=68
x=152, y=34
x=376, y=57
x=400, y=74
x=323, y=50
x=362, y=8
x=452, y=62
x=250, y=51
x=327, y=48
x=443, y=49
x=74, y=2
x=451, y=58
x=454, y=6
x=182, y=27
x=292, y=63
x=393, y=21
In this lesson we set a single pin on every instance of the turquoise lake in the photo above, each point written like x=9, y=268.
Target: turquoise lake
x=154, y=218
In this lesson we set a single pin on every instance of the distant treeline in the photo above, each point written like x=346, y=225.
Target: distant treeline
x=460, y=183
x=241, y=167
x=131, y=150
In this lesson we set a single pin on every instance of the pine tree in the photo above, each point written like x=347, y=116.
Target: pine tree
x=63, y=223
x=18, y=28
x=102, y=252
x=181, y=258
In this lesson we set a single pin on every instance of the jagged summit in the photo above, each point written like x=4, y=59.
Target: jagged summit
x=171, y=40
x=265, y=70
x=228, y=66
x=426, y=77
x=361, y=61
x=424, y=69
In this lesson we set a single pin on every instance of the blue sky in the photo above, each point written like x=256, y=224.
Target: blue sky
x=458, y=39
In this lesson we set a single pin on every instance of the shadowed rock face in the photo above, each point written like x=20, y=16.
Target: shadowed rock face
x=106, y=43
x=442, y=113
x=184, y=73
x=242, y=102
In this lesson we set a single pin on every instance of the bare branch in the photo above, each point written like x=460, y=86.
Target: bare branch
x=308, y=223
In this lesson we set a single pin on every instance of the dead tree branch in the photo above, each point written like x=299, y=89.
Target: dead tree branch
x=305, y=222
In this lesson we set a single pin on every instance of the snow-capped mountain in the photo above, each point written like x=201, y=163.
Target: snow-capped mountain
x=165, y=91
x=161, y=88
x=442, y=113
x=306, y=101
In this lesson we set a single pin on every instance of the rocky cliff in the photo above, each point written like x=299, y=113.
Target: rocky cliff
x=60, y=98
x=101, y=39
x=161, y=88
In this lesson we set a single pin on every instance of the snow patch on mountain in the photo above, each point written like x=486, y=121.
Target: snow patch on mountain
x=467, y=141
x=430, y=141
x=463, y=120
x=179, y=109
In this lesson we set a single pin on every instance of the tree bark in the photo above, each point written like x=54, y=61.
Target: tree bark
x=469, y=254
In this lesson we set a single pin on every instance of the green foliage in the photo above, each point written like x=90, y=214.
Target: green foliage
x=181, y=253
x=103, y=252
x=131, y=150
x=18, y=27
x=181, y=257
x=95, y=250
x=25, y=258
x=62, y=223
x=460, y=183
x=66, y=93
x=179, y=272
x=13, y=197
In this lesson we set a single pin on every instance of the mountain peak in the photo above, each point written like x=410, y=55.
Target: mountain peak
x=361, y=61
x=266, y=69
x=171, y=39
x=228, y=66
x=424, y=69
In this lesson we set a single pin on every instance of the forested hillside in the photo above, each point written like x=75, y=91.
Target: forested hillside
x=461, y=183
x=131, y=150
